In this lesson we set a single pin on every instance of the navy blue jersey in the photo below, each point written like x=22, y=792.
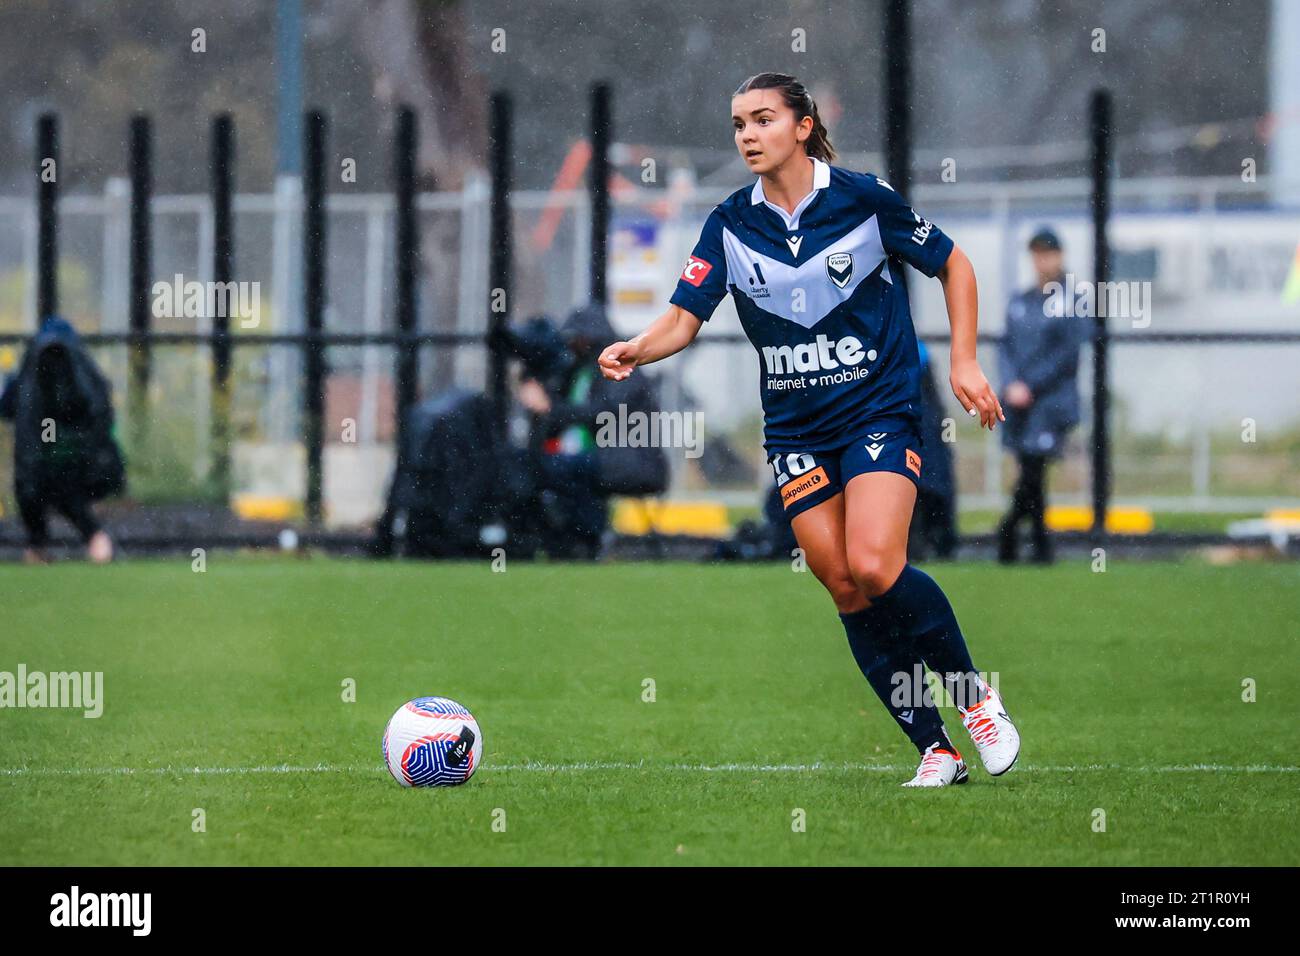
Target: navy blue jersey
x=816, y=295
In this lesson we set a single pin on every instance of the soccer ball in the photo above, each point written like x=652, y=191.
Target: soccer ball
x=432, y=742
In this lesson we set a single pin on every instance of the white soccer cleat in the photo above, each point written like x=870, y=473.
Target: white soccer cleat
x=992, y=731
x=939, y=768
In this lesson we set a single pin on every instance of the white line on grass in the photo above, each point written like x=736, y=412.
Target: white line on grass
x=599, y=765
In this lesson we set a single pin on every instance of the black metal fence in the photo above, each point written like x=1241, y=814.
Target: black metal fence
x=408, y=340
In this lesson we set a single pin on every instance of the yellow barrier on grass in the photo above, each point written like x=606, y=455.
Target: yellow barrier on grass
x=265, y=508
x=1118, y=520
x=640, y=516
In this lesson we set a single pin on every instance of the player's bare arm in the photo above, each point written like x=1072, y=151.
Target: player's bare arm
x=967, y=380
x=667, y=335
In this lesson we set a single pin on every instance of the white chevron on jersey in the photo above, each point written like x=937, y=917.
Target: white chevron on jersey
x=820, y=294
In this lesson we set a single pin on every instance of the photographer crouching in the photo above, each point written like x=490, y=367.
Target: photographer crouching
x=577, y=471
x=65, y=456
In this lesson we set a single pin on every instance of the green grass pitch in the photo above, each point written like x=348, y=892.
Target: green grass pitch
x=224, y=692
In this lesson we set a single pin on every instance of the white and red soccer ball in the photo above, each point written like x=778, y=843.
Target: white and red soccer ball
x=432, y=742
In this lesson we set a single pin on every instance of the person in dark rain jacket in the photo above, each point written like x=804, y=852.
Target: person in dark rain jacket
x=1040, y=390
x=934, y=520
x=64, y=453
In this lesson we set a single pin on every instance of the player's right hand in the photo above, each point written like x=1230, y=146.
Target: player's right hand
x=617, y=361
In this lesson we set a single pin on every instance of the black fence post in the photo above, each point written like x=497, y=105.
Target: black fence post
x=138, y=311
x=47, y=216
x=1100, y=123
x=598, y=189
x=898, y=108
x=499, y=254
x=407, y=249
x=898, y=92
x=313, y=351
x=223, y=267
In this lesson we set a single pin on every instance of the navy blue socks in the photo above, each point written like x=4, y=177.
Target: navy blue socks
x=894, y=673
x=917, y=606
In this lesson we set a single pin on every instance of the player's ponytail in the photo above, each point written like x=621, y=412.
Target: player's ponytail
x=818, y=143
x=796, y=96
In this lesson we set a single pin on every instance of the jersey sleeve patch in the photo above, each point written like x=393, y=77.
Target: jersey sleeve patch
x=703, y=282
x=696, y=271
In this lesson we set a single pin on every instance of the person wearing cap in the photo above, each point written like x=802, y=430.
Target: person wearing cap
x=1040, y=391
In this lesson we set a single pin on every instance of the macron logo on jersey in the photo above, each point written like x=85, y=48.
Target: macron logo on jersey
x=696, y=270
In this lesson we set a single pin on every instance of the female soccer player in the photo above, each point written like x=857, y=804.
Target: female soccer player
x=811, y=253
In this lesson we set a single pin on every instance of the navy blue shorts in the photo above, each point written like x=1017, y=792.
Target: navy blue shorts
x=806, y=479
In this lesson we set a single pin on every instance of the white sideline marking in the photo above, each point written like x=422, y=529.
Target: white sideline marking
x=597, y=766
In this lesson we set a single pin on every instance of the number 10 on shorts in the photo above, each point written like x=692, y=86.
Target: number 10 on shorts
x=797, y=474
x=795, y=465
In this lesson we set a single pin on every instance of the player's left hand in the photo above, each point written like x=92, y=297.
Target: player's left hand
x=975, y=394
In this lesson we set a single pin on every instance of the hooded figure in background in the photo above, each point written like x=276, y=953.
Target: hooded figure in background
x=578, y=473
x=65, y=456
